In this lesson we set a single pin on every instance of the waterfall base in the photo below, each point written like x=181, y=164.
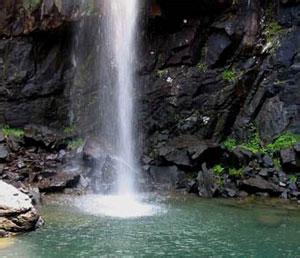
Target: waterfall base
x=117, y=206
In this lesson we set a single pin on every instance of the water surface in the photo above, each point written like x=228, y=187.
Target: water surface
x=188, y=227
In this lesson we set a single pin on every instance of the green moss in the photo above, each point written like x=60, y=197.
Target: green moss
x=229, y=75
x=220, y=181
x=254, y=144
x=202, y=67
x=15, y=132
x=272, y=30
x=285, y=141
x=230, y=144
x=75, y=144
x=69, y=130
x=162, y=73
x=293, y=179
x=31, y=4
x=277, y=163
x=218, y=169
x=236, y=172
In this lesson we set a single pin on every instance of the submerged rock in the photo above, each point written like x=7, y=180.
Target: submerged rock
x=17, y=214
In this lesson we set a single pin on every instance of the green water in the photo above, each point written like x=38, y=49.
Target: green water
x=190, y=227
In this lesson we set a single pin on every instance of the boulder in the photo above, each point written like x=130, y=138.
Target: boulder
x=44, y=136
x=17, y=214
x=206, y=183
x=258, y=184
x=3, y=153
x=165, y=177
x=289, y=160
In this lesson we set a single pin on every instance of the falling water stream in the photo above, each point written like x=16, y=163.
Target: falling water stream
x=117, y=59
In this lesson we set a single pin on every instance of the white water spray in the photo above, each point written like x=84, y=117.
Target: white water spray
x=122, y=18
x=118, y=60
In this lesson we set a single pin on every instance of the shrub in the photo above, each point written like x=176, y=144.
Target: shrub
x=293, y=179
x=75, y=144
x=202, y=67
x=218, y=169
x=162, y=73
x=234, y=172
x=254, y=144
x=284, y=141
x=15, y=132
x=230, y=143
x=272, y=30
x=229, y=75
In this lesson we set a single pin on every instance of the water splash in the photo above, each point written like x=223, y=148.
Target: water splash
x=121, y=28
x=117, y=206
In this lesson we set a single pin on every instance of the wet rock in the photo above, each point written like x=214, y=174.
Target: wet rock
x=2, y=137
x=241, y=155
x=43, y=136
x=58, y=180
x=259, y=184
x=267, y=161
x=17, y=213
x=289, y=159
x=166, y=178
x=3, y=153
x=206, y=183
x=217, y=44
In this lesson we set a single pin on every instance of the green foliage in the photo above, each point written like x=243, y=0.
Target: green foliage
x=220, y=181
x=293, y=179
x=229, y=75
x=254, y=144
x=202, y=67
x=69, y=130
x=15, y=132
x=284, y=141
x=162, y=73
x=218, y=169
x=75, y=144
x=230, y=144
x=277, y=163
x=31, y=4
x=272, y=30
x=236, y=172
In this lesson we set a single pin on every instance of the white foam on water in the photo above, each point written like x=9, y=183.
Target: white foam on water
x=117, y=206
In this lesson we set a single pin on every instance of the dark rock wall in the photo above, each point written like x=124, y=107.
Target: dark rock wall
x=186, y=61
x=208, y=70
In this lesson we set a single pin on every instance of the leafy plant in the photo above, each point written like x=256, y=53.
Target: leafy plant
x=284, y=141
x=162, y=73
x=254, y=144
x=75, y=144
x=69, y=130
x=31, y=4
x=230, y=143
x=234, y=172
x=293, y=179
x=15, y=132
x=229, y=75
x=277, y=163
x=202, y=67
x=272, y=30
x=218, y=169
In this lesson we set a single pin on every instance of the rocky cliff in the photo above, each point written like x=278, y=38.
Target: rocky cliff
x=219, y=87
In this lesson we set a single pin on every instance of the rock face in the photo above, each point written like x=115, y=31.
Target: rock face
x=17, y=213
x=209, y=70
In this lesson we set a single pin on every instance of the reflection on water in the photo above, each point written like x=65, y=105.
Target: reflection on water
x=191, y=227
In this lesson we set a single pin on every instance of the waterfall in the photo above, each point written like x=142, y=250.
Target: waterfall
x=113, y=74
x=121, y=28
